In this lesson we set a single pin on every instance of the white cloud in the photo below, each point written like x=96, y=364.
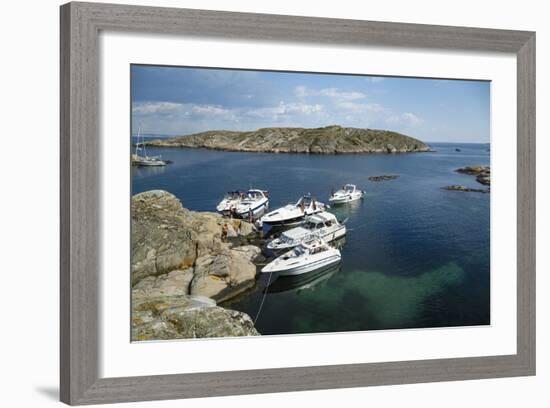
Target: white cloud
x=342, y=108
x=284, y=109
x=155, y=107
x=338, y=94
x=301, y=91
x=335, y=93
x=209, y=110
x=375, y=79
x=355, y=107
x=406, y=119
x=412, y=118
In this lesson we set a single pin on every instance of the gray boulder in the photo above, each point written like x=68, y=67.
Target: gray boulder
x=184, y=317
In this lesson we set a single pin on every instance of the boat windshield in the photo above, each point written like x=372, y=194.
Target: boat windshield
x=305, y=200
x=298, y=251
x=254, y=195
x=284, y=239
x=318, y=249
x=349, y=188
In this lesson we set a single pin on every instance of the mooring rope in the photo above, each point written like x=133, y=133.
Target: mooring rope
x=263, y=298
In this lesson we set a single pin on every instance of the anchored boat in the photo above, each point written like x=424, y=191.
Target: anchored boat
x=146, y=161
x=321, y=225
x=253, y=203
x=306, y=257
x=346, y=194
x=230, y=200
x=292, y=214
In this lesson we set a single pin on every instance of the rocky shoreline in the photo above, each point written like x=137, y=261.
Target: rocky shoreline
x=181, y=268
x=326, y=140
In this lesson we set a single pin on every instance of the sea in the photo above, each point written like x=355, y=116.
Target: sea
x=415, y=255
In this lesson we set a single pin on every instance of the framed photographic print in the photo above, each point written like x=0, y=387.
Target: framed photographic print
x=260, y=203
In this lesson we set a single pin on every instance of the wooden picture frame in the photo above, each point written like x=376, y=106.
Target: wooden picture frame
x=81, y=24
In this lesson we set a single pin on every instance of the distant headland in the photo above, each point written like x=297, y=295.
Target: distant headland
x=325, y=140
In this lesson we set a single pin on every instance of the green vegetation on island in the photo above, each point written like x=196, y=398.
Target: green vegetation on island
x=325, y=140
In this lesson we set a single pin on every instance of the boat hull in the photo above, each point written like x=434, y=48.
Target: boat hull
x=345, y=200
x=323, y=263
x=289, y=220
x=284, y=222
x=259, y=208
x=150, y=163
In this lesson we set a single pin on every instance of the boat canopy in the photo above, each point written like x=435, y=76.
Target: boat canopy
x=322, y=217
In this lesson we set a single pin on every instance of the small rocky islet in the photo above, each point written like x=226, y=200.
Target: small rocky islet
x=384, y=177
x=482, y=174
x=325, y=140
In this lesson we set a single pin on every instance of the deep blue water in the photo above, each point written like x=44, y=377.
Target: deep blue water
x=415, y=255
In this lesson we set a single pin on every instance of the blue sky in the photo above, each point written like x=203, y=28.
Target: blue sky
x=180, y=101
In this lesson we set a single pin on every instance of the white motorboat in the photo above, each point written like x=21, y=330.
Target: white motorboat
x=147, y=161
x=323, y=225
x=304, y=258
x=254, y=202
x=292, y=214
x=229, y=202
x=346, y=194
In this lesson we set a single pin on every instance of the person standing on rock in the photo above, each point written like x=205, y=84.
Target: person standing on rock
x=224, y=232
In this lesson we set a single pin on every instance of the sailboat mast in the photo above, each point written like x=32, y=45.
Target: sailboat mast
x=143, y=144
x=137, y=141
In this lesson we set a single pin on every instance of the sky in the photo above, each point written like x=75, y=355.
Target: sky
x=179, y=101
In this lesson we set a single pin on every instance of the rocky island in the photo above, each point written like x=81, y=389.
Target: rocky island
x=181, y=268
x=326, y=140
x=482, y=174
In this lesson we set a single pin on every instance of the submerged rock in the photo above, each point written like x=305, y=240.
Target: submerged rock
x=466, y=189
x=383, y=177
x=178, y=256
x=325, y=140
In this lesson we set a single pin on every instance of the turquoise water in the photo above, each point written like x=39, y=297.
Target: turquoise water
x=415, y=255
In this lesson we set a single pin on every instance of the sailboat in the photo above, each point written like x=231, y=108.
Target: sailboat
x=145, y=160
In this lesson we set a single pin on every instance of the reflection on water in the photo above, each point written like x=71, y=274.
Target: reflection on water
x=147, y=171
x=298, y=283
